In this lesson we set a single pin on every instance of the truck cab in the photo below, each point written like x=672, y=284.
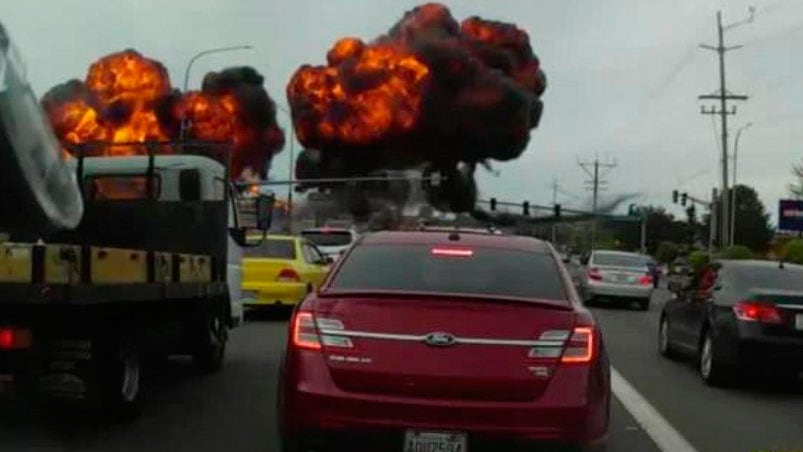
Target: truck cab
x=176, y=178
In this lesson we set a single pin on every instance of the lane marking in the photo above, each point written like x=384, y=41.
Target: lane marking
x=656, y=426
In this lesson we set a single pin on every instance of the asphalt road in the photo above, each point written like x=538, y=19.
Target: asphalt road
x=752, y=416
x=230, y=411
x=234, y=409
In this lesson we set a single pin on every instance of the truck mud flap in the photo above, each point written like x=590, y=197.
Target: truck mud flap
x=67, y=370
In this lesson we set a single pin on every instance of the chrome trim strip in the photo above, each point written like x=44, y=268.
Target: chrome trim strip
x=793, y=306
x=458, y=340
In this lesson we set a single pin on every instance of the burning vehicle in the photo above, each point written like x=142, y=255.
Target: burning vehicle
x=433, y=94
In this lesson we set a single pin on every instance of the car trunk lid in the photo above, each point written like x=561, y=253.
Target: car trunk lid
x=622, y=275
x=443, y=347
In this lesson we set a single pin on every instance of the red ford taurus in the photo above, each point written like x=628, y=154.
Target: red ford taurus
x=444, y=341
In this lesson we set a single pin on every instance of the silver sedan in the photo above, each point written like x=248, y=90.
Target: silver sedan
x=617, y=275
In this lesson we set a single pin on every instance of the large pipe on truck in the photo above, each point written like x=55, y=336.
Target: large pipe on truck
x=38, y=191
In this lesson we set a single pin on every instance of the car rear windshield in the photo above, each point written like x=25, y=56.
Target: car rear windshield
x=328, y=238
x=620, y=260
x=763, y=277
x=479, y=271
x=273, y=249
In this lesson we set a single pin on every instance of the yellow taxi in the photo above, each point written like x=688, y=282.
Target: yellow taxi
x=282, y=270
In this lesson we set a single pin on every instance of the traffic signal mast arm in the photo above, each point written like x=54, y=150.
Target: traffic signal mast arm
x=700, y=201
x=685, y=197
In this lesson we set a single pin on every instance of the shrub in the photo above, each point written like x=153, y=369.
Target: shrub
x=698, y=260
x=737, y=252
x=793, y=251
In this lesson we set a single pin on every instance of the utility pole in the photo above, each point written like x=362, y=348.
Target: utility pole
x=723, y=96
x=713, y=221
x=554, y=203
x=643, y=232
x=593, y=171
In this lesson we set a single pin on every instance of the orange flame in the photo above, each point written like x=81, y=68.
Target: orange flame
x=215, y=118
x=116, y=103
x=127, y=98
x=382, y=96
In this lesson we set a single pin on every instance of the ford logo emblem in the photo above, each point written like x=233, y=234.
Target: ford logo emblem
x=440, y=339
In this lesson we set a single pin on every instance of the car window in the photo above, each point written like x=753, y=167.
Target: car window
x=328, y=238
x=619, y=260
x=487, y=271
x=764, y=277
x=120, y=187
x=317, y=254
x=311, y=255
x=273, y=248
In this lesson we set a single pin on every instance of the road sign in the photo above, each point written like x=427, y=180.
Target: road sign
x=790, y=215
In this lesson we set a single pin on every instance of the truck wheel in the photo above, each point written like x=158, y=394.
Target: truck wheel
x=121, y=380
x=211, y=346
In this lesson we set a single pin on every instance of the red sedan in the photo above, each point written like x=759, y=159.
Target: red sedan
x=444, y=341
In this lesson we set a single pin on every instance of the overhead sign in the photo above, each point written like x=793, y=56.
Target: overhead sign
x=790, y=215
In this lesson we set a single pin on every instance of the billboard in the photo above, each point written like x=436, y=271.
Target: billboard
x=790, y=215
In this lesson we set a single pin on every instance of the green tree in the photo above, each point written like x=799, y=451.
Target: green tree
x=752, y=220
x=796, y=188
x=661, y=227
x=666, y=252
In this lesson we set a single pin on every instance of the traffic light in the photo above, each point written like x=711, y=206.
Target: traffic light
x=557, y=211
x=493, y=203
x=675, y=196
x=526, y=208
x=683, y=199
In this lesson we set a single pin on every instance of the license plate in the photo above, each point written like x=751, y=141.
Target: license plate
x=250, y=295
x=417, y=441
x=799, y=322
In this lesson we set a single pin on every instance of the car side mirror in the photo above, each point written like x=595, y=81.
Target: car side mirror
x=255, y=215
x=328, y=260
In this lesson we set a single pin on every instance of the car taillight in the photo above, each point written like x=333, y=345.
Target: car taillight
x=594, y=274
x=580, y=348
x=288, y=275
x=757, y=311
x=14, y=338
x=309, y=332
x=645, y=280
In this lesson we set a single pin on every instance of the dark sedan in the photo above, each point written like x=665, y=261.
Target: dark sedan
x=750, y=321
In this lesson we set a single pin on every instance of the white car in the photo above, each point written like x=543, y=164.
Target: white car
x=332, y=242
x=617, y=275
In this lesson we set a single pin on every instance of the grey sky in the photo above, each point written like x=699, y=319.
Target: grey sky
x=624, y=74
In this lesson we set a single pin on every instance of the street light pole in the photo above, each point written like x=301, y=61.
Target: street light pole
x=734, y=190
x=189, y=66
x=291, y=173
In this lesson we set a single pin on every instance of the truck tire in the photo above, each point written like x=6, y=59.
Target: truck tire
x=120, y=379
x=210, y=347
